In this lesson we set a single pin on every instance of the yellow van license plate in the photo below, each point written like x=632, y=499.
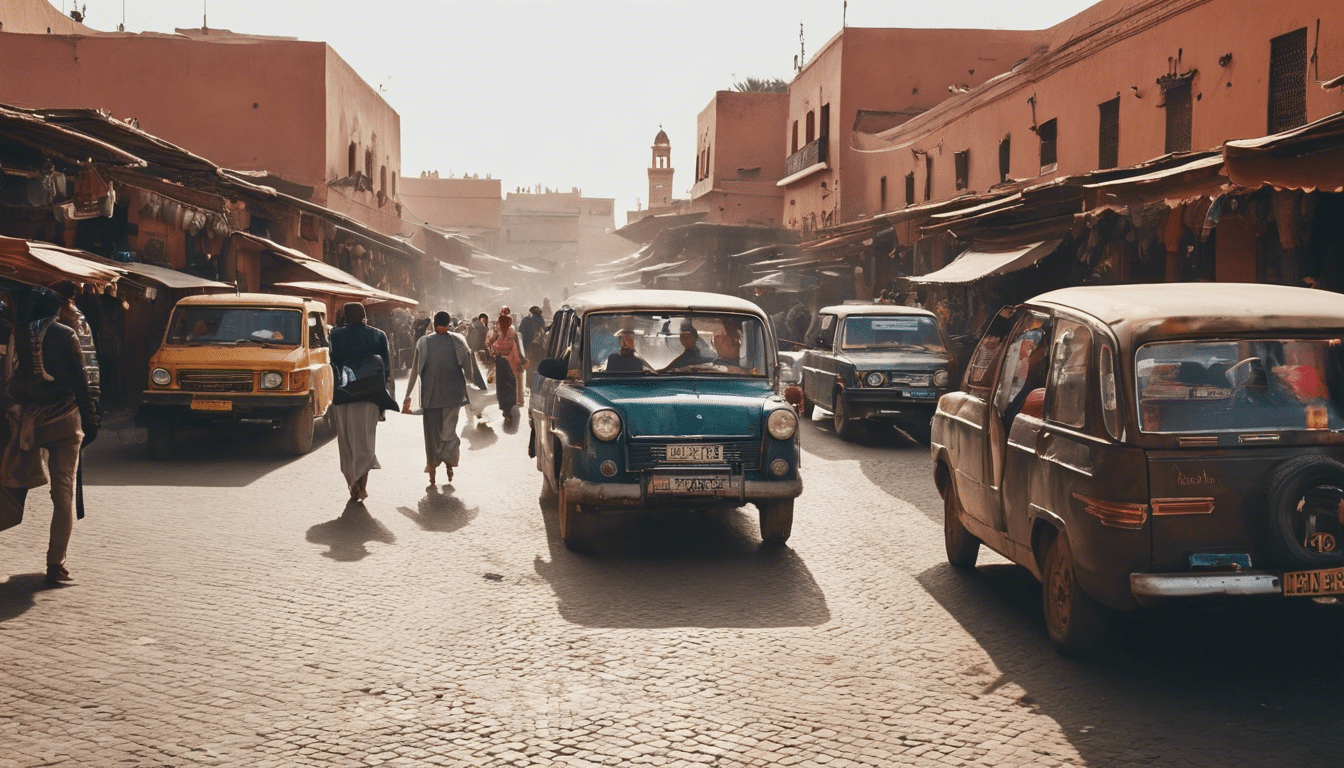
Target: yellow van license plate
x=206, y=404
x=1327, y=582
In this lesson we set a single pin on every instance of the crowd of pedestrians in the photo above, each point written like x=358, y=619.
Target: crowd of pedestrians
x=447, y=365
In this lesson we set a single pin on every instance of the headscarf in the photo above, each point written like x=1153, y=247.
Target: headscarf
x=504, y=321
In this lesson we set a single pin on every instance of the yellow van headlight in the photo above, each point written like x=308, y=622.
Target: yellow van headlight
x=272, y=380
x=161, y=377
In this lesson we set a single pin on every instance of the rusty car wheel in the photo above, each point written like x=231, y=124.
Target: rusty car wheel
x=776, y=520
x=578, y=526
x=845, y=427
x=962, y=546
x=1073, y=619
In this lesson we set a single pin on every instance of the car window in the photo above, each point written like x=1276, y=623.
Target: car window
x=230, y=326
x=1109, y=391
x=554, y=346
x=980, y=370
x=1025, y=364
x=879, y=332
x=317, y=330
x=676, y=343
x=1066, y=396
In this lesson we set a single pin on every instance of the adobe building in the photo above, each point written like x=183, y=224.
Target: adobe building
x=471, y=206
x=740, y=154
x=1119, y=84
x=559, y=232
x=217, y=94
x=874, y=76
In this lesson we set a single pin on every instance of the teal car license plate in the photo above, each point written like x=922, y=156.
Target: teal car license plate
x=688, y=485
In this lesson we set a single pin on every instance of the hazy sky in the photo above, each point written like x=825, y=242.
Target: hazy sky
x=562, y=93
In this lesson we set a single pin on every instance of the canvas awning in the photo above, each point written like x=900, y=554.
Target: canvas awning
x=325, y=273
x=46, y=265
x=784, y=282
x=1309, y=157
x=645, y=230
x=171, y=278
x=976, y=264
x=309, y=287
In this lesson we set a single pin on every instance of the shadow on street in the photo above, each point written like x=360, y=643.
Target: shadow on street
x=347, y=536
x=891, y=460
x=1172, y=683
x=245, y=455
x=16, y=594
x=680, y=568
x=440, y=511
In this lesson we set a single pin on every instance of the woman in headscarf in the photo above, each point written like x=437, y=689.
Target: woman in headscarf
x=363, y=349
x=509, y=364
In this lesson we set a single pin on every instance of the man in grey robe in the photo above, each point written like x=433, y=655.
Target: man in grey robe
x=443, y=365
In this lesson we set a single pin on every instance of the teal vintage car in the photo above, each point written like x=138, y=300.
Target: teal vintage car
x=663, y=399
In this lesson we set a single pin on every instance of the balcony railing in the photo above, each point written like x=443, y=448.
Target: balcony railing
x=811, y=154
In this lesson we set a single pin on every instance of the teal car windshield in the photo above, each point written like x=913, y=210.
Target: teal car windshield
x=675, y=344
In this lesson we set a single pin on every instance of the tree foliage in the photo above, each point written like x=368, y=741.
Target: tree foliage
x=761, y=85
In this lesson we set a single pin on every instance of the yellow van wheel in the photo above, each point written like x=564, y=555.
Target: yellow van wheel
x=298, y=430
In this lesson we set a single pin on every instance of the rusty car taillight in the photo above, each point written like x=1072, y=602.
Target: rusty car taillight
x=1200, y=505
x=1113, y=514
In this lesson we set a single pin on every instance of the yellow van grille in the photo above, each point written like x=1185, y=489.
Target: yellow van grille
x=215, y=381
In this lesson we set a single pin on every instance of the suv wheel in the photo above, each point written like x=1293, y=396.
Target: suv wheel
x=298, y=430
x=1073, y=619
x=962, y=546
x=840, y=419
x=776, y=520
x=578, y=526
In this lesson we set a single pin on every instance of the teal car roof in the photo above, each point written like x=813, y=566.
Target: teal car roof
x=656, y=300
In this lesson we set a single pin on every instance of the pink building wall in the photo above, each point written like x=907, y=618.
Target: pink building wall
x=738, y=132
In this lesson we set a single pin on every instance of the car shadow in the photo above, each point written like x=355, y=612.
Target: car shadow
x=680, y=568
x=211, y=459
x=440, y=511
x=1172, y=685
x=347, y=536
x=16, y=594
x=891, y=460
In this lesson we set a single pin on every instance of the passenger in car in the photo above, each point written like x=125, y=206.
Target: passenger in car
x=625, y=360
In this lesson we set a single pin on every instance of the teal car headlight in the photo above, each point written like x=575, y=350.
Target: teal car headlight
x=782, y=423
x=606, y=425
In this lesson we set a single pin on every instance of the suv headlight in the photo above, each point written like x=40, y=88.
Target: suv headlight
x=161, y=377
x=941, y=378
x=782, y=423
x=271, y=380
x=606, y=425
x=875, y=379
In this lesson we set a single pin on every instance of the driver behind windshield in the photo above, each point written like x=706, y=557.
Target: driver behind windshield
x=691, y=354
x=728, y=345
x=625, y=360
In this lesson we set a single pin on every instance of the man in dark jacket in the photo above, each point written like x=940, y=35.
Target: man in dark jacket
x=55, y=387
x=532, y=334
x=363, y=349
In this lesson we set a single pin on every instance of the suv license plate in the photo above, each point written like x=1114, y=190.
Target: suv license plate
x=207, y=404
x=695, y=454
x=688, y=485
x=1311, y=583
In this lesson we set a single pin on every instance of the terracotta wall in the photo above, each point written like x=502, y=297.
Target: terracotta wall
x=37, y=17
x=1230, y=97
x=453, y=203
x=889, y=70
x=355, y=113
x=740, y=132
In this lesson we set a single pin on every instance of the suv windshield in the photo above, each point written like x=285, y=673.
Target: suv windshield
x=657, y=343
x=1252, y=384
x=878, y=332
x=235, y=325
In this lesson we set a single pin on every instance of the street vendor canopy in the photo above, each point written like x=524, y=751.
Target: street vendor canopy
x=978, y=263
x=1310, y=157
x=45, y=264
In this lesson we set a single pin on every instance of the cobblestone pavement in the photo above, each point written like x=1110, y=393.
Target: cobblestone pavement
x=232, y=610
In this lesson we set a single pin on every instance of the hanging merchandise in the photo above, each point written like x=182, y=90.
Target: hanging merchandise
x=1212, y=218
x=1287, y=209
x=90, y=193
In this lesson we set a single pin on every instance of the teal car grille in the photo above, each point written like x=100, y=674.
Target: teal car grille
x=642, y=456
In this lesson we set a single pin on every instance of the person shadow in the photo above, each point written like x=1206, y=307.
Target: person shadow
x=346, y=536
x=440, y=512
x=480, y=437
x=16, y=594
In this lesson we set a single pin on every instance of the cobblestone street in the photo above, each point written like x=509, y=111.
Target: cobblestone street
x=230, y=609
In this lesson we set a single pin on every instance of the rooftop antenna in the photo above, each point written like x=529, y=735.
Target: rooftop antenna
x=122, y=26
x=802, y=50
x=204, y=24
x=844, y=14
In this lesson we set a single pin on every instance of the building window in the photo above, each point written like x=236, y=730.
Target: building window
x=825, y=120
x=1288, y=81
x=351, y=167
x=963, y=168
x=1179, y=115
x=882, y=194
x=382, y=180
x=708, y=157
x=795, y=137
x=368, y=164
x=1108, y=136
x=1005, y=157
x=811, y=127
x=1048, y=133
x=394, y=183
x=928, y=176
x=910, y=188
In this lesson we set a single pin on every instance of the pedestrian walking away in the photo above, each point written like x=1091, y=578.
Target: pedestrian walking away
x=443, y=366
x=53, y=387
x=509, y=364
x=532, y=332
x=363, y=372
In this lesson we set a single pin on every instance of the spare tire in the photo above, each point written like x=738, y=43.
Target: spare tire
x=1304, y=513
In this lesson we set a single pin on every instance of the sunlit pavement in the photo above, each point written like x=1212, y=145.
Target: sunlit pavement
x=231, y=609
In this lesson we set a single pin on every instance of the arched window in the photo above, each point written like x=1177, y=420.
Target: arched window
x=351, y=168
x=368, y=164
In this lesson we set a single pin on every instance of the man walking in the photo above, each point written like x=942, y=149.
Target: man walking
x=444, y=365
x=532, y=332
x=476, y=337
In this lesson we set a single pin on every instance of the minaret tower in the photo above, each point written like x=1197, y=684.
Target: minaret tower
x=660, y=173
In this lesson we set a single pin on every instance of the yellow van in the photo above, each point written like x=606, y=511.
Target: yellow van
x=235, y=358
